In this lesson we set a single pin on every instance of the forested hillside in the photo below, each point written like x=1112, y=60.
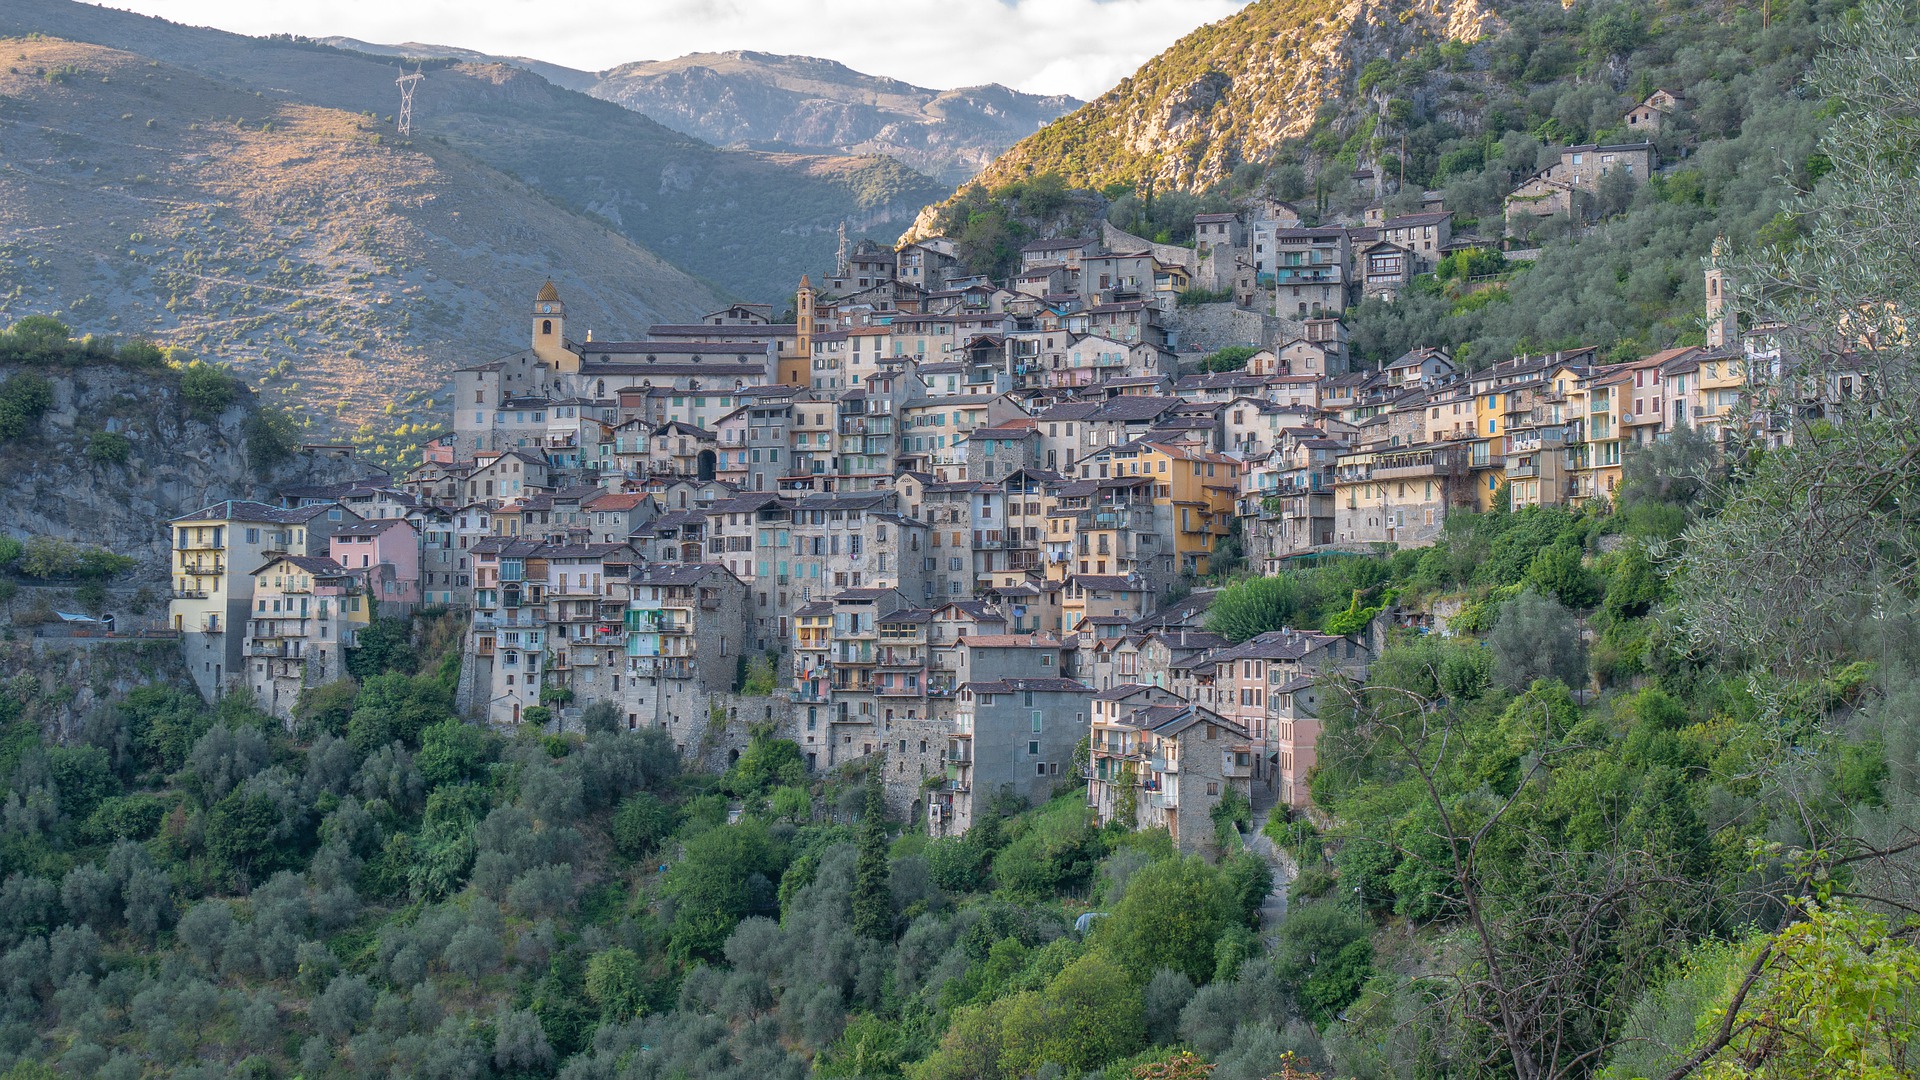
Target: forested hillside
x=1470, y=118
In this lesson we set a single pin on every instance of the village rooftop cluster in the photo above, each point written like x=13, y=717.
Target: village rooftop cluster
x=959, y=520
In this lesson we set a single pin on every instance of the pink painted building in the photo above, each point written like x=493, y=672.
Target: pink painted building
x=383, y=553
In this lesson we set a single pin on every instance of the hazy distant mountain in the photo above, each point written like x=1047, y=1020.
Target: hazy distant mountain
x=305, y=244
x=764, y=100
x=749, y=222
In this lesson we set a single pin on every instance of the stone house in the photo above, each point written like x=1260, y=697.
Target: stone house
x=1172, y=761
x=685, y=623
x=1398, y=495
x=997, y=452
x=1013, y=735
x=1568, y=185
x=1426, y=235
x=1647, y=118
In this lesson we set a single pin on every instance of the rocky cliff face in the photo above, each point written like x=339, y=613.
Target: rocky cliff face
x=755, y=99
x=178, y=464
x=1234, y=90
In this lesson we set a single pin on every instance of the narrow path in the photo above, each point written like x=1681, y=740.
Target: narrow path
x=1274, y=907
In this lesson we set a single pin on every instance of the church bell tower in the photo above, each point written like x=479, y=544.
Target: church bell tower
x=550, y=331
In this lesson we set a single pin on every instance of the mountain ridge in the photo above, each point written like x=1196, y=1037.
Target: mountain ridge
x=1233, y=91
x=301, y=243
x=751, y=223
x=758, y=100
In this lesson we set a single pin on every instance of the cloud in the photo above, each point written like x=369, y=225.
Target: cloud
x=1078, y=47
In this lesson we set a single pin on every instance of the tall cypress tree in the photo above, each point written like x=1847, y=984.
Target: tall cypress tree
x=872, y=892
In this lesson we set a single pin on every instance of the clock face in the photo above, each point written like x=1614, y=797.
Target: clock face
x=544, y=308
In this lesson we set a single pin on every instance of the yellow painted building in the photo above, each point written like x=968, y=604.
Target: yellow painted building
x=1596, y=435
x=1193, y=494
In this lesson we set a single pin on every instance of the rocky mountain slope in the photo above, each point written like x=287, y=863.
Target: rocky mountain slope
x=176, y=461
x=1234, y=91
x=751, y=223
x=305, y=244
x=759, y=99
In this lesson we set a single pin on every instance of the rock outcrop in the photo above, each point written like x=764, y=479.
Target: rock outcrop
x=1234, y=91
x=177, y=464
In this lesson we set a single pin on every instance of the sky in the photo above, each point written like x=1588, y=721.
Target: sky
x=1077, y=47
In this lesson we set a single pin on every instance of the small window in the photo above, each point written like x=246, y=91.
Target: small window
x=1033, y=748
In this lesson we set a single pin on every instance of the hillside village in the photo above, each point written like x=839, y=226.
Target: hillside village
x=953, y=521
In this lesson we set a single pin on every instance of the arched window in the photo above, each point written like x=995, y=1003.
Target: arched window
x=546, y=326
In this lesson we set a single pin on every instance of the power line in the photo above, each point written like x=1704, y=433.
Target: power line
x=406, y=84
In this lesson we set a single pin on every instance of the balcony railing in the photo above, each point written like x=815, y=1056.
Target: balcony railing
x=485, y=621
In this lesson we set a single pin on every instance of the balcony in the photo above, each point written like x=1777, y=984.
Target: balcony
x=483, y=621
x=959, y=754
x=1321, y=274
x=1417, y=467
x=272, y=649
x=1522, y=472
x=1163, y=765
x=900, y=690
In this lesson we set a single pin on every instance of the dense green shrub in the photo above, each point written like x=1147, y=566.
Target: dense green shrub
x=208, y=391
